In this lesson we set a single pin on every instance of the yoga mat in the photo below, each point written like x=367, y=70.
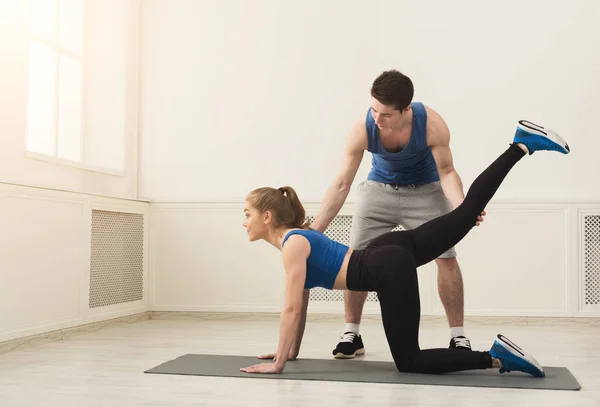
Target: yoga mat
x=557, y=378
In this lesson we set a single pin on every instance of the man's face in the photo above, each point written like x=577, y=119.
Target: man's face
x=386, y=117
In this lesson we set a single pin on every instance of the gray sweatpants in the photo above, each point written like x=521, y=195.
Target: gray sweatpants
x=383, y=207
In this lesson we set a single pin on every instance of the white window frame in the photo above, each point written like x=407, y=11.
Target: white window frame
x=56, y=47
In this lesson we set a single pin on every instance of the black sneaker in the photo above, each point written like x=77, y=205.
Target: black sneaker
x=350, y=346
x=460, y=342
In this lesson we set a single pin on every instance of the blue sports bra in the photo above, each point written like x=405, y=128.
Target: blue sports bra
x=325, y=259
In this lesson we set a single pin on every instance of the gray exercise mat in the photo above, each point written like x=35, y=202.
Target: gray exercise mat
x=357, y=370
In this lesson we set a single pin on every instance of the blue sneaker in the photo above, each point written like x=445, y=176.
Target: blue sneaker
x=538, y=138
x=513, y=358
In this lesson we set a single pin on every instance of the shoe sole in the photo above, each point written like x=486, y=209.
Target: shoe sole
x=340, y=355
x=517, y=351
x=534, y=129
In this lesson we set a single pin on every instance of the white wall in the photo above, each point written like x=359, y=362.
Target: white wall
x=45, y=260
x=110, y=103
x=524, y=260
x=236, y=95
x=46, y=203
x=241, y=94
x=112, y=88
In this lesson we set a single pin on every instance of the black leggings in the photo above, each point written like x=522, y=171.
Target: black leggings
x=388, y=265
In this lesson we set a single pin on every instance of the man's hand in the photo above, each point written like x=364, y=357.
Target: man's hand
x=480, y=218
x=263, y=368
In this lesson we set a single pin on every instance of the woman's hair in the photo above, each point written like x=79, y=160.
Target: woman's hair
x=283, y=203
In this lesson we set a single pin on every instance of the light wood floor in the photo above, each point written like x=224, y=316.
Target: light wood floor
x=105, y=368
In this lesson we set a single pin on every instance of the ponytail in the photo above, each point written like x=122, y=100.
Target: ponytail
x=299, y=220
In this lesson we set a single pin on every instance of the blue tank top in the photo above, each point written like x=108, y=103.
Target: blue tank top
x=414, y=164
x=325, y=259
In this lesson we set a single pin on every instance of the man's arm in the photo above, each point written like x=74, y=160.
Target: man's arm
x=438, y=138
x=356, y=144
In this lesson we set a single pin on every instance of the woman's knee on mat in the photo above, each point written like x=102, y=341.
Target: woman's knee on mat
x=405, y=363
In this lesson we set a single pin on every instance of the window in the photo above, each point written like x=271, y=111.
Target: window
x=82, y=83
x=56, y=76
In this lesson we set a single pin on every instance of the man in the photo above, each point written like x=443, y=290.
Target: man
x=412, y=180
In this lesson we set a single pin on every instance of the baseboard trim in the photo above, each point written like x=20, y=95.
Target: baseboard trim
x=338, y=318
x=66, y=333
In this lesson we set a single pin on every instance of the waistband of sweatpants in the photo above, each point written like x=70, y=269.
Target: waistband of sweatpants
x=409, y=186
x=398, y=186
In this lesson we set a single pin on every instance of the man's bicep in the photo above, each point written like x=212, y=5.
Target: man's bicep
x=443, y=158
x=438, y=135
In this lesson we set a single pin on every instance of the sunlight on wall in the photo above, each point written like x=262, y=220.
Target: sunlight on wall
x=77, y=80
x=55, y=98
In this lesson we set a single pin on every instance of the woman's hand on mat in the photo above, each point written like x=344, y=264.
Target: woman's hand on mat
x=291, y=356
x=263, y=368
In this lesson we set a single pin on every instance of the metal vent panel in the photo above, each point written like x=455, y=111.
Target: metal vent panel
x=117, y=258
x=591, y=256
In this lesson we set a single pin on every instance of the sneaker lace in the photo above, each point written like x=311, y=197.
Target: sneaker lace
x=462, y=341
x=348, y=337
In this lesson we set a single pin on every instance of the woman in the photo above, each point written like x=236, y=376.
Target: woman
x=387, y=266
